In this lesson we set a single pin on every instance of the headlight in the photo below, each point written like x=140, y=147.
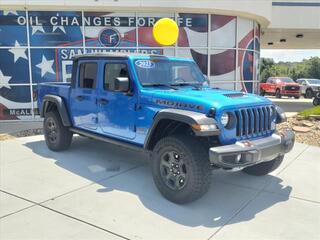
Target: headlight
x=225, y=119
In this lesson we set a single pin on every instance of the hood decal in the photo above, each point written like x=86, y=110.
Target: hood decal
x=176, y=104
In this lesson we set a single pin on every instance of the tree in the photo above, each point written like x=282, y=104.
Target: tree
x=308, y=68
x=266, y=65
x=313, y=67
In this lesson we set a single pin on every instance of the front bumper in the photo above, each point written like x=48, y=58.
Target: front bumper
x=290, y=93
x=247, y=153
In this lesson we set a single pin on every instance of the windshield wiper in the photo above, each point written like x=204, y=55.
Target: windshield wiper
x=197, y=85
x=159, y=85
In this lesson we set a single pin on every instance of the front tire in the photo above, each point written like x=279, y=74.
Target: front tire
x=316, y=101
x=181, y=168
x=278, y=93
x=264, y=168
x=57, y=136
x=309, y=93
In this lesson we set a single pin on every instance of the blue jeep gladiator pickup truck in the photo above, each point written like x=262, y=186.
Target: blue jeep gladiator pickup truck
x=164, y=106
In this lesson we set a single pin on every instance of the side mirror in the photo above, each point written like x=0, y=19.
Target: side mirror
x=121, y=84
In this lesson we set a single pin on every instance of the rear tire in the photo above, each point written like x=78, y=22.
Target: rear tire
x=57, y=136
x=309, y=93
x=264, y=168
x=181, y=168
x=278, y=93
x=296, y=97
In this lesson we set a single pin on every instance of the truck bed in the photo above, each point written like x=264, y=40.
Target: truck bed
x=58, y=89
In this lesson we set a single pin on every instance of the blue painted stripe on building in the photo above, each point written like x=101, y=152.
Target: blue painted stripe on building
x=296, y=4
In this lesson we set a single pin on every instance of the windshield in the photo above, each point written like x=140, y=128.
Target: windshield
x=153, y=72
x=314, y=81
x=286, y=80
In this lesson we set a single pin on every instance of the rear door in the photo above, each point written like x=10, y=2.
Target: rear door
x=83, y=101
x=116, y=109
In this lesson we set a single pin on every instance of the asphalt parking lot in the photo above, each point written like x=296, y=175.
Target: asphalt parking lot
x=99, y=191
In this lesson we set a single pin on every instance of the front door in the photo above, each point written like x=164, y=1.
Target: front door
x=303, y=86
x=116, y=114
x=272, y=86
x=83, y=100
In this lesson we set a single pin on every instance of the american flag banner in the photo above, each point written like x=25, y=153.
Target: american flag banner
x=15, y=96
x=38, y=46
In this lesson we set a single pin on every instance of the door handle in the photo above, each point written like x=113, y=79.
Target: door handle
x=103, y=101
x=80, y=98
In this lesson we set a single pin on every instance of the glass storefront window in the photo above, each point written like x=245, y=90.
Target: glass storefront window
x=199, y=55
x=257, y=36
x=51, y=28
x=13, y=28
x=107, y=29
x=245, y=33
x=223, y=31
x=246, y=73
x=15, y=102
x=14, y=65
x=228, y=52
x=52, y=64
x=145, y=22
x=222, y=64
x=193, y=30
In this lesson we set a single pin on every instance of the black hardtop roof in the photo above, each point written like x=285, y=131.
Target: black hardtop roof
x=115, y=55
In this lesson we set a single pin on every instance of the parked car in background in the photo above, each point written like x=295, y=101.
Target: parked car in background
x=316, y=100
x=308, y=86
x=280, y=86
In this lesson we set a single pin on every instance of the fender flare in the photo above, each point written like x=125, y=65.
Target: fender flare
x=58, y=101
x=183, y=116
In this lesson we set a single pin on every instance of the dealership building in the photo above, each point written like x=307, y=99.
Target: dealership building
x=39, y=38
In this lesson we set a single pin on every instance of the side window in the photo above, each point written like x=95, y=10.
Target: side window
x=88, y=75
x=113, y=71
x=270, y=80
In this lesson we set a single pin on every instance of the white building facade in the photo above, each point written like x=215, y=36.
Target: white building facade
x=39, y=38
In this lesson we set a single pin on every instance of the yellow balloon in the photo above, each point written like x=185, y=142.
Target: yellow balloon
x=165, y=31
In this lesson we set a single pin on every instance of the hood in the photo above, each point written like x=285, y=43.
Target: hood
x=202, y=100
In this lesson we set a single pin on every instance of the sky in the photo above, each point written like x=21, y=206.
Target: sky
x=289, y=55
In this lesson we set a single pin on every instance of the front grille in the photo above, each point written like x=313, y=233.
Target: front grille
x=251, y=122
x=291, y=88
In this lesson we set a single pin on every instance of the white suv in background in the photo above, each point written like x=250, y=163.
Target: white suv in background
x=308, y=87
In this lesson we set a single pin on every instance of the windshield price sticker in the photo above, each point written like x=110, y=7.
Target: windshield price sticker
x=145, y=64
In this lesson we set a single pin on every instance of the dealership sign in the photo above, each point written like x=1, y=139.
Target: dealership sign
x=38, y=46
x=98, y=21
